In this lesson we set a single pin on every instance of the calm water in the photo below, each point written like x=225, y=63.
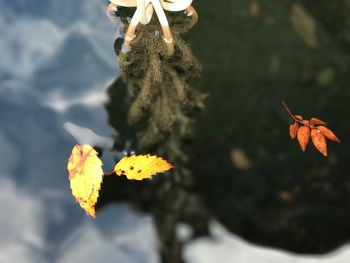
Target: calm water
x=56, y=62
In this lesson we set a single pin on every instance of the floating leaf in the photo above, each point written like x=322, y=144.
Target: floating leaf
x=286, y=197
x=304, y=25
x=240, y=160
x=293, y=130
x=85, y=176
x=299, y=117
x=319, y=141
x=141, y=166
x=303, y=137
x=254, y=9
x=319, y=133
x=305, y=122
x=315, y=121
x=328, y=133
x=325, y=77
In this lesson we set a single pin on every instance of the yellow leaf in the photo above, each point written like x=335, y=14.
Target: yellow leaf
x=141, y=166
x=85, y=176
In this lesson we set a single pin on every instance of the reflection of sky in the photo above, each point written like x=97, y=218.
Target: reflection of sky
x=56, y=60
x=226, y=248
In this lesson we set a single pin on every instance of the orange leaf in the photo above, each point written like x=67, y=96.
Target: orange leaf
x=315, y=121
x=300, y=118
x=141, y=166
x=303, y=137
x=85, y=176
x=293, y=130
x=305, y=122
x=328, y=133
x=319, y=141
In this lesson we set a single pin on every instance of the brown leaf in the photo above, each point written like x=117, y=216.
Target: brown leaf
x=254, y=9
x=319, y=141
x=293, y=130
x=328, y=133
x=315, y=121
x=303, y=137
x=300, y=118
x=286, y=197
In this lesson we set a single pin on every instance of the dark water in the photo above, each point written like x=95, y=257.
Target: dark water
x=286, y=51
x=56, y=64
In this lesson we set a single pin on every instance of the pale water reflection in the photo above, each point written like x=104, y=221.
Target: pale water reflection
x=56, y=62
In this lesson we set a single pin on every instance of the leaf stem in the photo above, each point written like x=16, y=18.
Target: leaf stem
x=289, y=112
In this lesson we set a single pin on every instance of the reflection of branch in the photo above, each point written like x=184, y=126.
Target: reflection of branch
x=162, y=113
x=143, y=99
x=161, y=84
x=178, y=84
